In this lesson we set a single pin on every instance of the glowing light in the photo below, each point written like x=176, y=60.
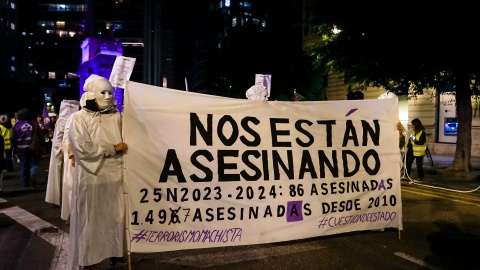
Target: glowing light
x=336, y=30
x=132, y=44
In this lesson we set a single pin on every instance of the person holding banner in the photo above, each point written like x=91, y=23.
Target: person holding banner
x=416, y=148
x=97, y=222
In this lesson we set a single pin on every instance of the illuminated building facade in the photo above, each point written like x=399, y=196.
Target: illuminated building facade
x=9, y=64
x=51, y=32
x=218, y=22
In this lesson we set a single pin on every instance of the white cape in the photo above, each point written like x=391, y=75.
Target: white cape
x=67, y=173
x=54, y=184
x=97, y=219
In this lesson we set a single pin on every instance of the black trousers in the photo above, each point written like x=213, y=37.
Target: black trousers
x=410, y=158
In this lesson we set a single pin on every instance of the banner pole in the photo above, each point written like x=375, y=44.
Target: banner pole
x=127, y=205
x=114, y=93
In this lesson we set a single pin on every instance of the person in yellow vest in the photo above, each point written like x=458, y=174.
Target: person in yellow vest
x=6, y=132
x=416, y=148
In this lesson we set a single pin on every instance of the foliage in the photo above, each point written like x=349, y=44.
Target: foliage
x=400, y=46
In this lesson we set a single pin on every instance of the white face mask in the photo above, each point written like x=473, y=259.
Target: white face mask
x=103, y=94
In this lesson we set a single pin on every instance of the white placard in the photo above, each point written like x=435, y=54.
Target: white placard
x=121, y=71
x=265, y=80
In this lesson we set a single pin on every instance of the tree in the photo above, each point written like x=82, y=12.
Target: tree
x=407, y=45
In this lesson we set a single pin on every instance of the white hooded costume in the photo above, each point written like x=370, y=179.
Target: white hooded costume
x=97, y=222
x=55, y=171
x=67, y=172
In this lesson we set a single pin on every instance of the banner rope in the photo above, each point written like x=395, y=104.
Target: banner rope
x=419, y=183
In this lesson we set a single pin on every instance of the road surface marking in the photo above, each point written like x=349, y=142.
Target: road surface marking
x=2, y=200
x=451, y=194
x=231, y=257
x=47, y=231
x=417, y=261
x=441, y=197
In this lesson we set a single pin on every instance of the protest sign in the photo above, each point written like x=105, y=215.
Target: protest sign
x=206, y=171
x=121, y=71
x=264, y=80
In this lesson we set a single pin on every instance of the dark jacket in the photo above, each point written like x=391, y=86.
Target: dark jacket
x=26, y=135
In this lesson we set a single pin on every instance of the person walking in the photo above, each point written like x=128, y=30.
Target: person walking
x=55, y=170
x=97, y=218
x=416, y=148
x=25, y=139
x=2, y=162
x=6, y=130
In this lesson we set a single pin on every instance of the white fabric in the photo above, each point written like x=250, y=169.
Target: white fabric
x=257, y=92
x=173, y=133
x=387, y=94
x=54, y=183
x=67, y=172
x=86, y=96
x=97, y=212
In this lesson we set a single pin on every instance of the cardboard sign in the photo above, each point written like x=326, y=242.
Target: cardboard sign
x=121, y=71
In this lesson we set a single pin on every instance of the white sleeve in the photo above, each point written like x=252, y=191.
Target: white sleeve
x=88, y=154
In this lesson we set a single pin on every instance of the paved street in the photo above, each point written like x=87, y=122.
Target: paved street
x=441, y=231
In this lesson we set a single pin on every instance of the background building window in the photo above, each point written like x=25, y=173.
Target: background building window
x=62, y=33
x=71, y=75
x=60, y=24
x=51, y=74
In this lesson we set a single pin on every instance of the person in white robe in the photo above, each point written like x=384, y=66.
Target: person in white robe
x=97, y=222
x=55, y=170
x=68, y=164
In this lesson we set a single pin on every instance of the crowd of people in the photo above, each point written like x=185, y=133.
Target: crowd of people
x=85, y=170
x=23, y=140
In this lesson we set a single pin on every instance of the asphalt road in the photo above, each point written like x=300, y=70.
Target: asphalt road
x=441, y=231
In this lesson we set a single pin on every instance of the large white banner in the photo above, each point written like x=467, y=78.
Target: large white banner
x=205, y=171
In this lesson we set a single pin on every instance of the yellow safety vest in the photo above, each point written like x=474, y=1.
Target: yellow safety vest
x=6, y=134
x=418, y=149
